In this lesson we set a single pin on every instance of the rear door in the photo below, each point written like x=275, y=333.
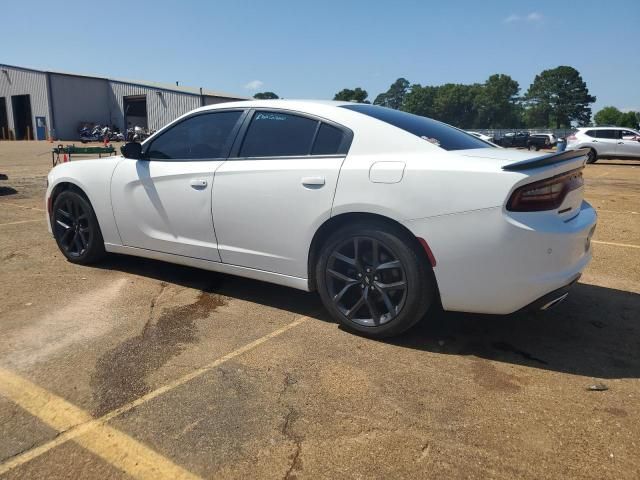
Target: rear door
x=163, y=202
x=276, y=189
x=628, y=144
x=606, y=142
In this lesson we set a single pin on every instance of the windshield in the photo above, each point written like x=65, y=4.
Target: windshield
x=443, y=135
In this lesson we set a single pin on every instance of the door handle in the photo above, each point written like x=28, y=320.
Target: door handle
x=620, y=143
x=312, y=181
x=198, y=183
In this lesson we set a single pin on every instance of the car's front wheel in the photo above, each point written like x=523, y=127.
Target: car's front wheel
x=373, y=279
x=75, y=228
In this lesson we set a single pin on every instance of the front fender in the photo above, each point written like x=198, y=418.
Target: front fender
x=93, y=177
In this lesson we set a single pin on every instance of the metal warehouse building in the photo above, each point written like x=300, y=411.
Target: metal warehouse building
x=36, y=104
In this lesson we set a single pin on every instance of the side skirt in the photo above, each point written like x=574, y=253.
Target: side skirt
x=262, y=275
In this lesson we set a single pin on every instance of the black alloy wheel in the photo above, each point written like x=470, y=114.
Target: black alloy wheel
x=374, y=278
x=366, y=281
x=76, y=228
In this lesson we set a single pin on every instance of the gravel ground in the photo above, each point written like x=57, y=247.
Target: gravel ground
x=191, y=373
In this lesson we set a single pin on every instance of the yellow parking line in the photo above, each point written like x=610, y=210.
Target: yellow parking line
x=23, y=206
x=94, y=434
x=22, y=221
x=117, y=448
x=628, y=245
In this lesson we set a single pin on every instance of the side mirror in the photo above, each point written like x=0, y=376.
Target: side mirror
x=131, y=150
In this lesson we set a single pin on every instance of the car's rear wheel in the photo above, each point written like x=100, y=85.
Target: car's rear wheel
x=372, y=279
x=75, y=228
x=592, y=156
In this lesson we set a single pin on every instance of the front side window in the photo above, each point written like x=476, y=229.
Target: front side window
x=443, y=135
x=204, y=136
x=628, y=133
x=278, y=134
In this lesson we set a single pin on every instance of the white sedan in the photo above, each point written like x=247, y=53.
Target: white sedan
x=382, y=212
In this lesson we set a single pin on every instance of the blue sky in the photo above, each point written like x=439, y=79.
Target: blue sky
x=312, y=49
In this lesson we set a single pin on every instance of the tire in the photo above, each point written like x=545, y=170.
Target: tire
x=592, y=156
x=75, y=228
x=391, y=296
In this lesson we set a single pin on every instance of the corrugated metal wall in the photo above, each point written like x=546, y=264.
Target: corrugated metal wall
x=78, y=100
x=18, y=81
x=161, y=108
x=209, y=100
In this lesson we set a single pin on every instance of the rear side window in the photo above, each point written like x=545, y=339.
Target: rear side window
x=200, y=137
x=443, y=135
x=606, y=133
x=590, y=133
x=276, y=134
x=328, y=141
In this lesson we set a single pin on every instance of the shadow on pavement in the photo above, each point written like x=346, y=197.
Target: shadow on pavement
x=276, y=296
x=594, y=333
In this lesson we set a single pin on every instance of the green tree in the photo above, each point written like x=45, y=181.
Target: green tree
x=265, y=96
x=561, y=96
x=356, y=95
x=396, y=94
x=629, y=120
x=456, y=104
x=607, y=116
x=420, y=100
x=497, y=103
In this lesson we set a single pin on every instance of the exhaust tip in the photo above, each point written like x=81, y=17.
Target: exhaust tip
x=554, y=302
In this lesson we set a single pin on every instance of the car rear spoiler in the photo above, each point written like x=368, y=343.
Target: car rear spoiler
x=546, y=160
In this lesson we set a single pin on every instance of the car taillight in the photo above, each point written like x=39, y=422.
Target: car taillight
x=545, y=194
x=571, y=138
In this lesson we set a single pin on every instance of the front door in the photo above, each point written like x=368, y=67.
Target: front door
x=628, y=144
x=163, y=202
x=276, y=190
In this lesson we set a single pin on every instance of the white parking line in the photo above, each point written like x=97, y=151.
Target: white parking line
x=22, y=221
x=23, y=206
x=614, y=244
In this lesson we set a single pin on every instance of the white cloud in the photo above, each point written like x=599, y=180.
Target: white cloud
x=254, y=85
x=534, y=17
x=530, y=17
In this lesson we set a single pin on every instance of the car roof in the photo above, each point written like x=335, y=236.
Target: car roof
x=276, y=103
x=604, y=128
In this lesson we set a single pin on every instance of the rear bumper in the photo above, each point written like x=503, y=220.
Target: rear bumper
x=491, y=262
x=551, y=299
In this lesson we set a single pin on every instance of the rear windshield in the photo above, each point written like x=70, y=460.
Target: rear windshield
x=443, y=135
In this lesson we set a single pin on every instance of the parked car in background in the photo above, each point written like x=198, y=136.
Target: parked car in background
x=550, y=139
x=482, y=136
x=608, y=142
x=384, y=213
x=521, y=140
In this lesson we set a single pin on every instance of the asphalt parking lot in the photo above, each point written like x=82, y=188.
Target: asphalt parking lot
x=136, y=368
